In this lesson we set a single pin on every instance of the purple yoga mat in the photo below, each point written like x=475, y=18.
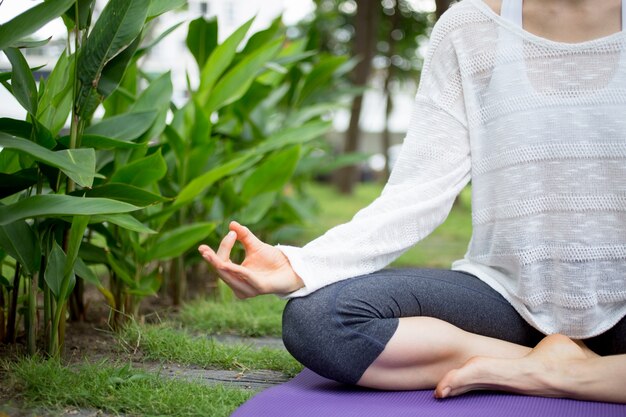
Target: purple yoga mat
x=310, y=395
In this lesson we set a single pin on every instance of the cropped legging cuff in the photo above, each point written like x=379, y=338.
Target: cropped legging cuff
x=340, y=330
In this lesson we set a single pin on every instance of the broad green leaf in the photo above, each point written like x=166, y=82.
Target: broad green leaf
x=200, y=184
x=16, y=182
x=78, y=164
x=156, y=97
x=256, y=210
x=238, y=80
x=158, y=7
x=43, y=136
x=5, y=283
x=293, y=136
x=119, y=24
x=85, y=272
x=200, y=131
x=34, y=132
x=56, y=103
x=148, y=285
x=54, y=269
x=125, y=221
x=102, y=142
x=26, y=44
x=305, y=114
x=85, y=9
x=320, y=75
x=15, y=127
x=31, y=20
x=126, y=193
x=54, y=205
x=5, y=76
x=219, y=61
x=263, y=37
x=125, y=94
x=142, y=172
x=23, y=84
x=272, y=174
x=75, y=238
x=127, y=126
x=178, y=241
x=202, y=39
x=120, y=271
x=92, y=253
x=61, y=279
x=10, y=161
x=114, y=70
x=19, y=241
x=145, y=49
x=175, y=141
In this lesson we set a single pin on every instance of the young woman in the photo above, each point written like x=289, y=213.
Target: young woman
x=528, y=99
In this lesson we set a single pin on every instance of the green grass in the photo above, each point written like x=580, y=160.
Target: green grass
x=259, y=316
x=116, y=389
x=165, y=343
x=446, y=244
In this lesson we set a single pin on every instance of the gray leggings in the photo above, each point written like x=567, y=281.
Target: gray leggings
x=339, y=330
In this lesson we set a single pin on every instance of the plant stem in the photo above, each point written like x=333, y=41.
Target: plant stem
x=31, y=323
x=2, y=306
x=47, y=314
x=10, y=335
x=58, y=325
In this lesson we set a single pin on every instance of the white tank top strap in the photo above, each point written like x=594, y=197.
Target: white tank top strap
x=512, y=11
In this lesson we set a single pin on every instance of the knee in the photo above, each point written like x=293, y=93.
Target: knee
x=303, y=319
x=312, y=336
x=326, y=332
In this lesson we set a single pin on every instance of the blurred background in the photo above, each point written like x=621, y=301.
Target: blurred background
x=286, y=115
x=391, y=41
x=131, y=131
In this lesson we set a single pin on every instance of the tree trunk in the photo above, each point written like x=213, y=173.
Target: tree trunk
x=442, y=6
x=366, y=25
x=386, y=136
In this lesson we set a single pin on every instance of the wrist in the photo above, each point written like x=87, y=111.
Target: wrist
x=294, y=281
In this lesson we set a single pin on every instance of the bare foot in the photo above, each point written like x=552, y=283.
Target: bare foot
x=541, y=372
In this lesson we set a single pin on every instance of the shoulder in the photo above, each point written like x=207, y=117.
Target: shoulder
x=463, y=17
x=467, y=26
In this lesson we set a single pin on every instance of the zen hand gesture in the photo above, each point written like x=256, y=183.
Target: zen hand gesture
x=264, y=270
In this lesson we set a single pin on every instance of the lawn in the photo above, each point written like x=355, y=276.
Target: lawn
x=445, y=245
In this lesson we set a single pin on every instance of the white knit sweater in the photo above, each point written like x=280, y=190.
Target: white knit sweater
x=540, y=128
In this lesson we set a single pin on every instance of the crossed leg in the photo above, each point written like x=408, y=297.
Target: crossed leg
x=380, y=331
x=424, y=349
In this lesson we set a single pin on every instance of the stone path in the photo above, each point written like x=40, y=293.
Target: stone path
x=252, y=379
x=259, y=342
x=256, y=380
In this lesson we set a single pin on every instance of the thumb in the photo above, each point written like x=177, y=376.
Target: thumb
x=249, y=240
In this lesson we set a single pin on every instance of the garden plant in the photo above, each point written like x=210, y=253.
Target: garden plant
x=136, y=188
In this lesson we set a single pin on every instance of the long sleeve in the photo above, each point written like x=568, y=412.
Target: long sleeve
x=433, y=167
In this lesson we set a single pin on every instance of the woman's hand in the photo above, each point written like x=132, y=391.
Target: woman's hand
x=265, y=269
